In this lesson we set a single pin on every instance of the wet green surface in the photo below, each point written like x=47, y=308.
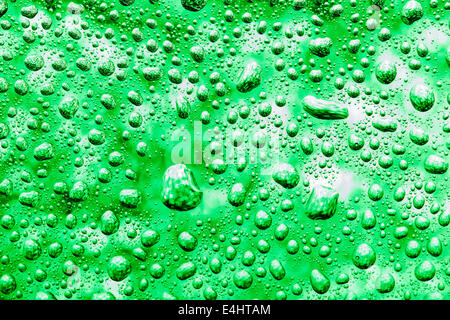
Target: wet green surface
x=246, y=150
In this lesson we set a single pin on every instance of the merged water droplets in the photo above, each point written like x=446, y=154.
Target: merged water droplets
x=179, y=189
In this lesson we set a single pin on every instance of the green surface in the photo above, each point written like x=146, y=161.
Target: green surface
x=293, y=149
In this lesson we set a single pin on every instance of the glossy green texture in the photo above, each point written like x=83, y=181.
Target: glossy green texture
x=232, y=149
